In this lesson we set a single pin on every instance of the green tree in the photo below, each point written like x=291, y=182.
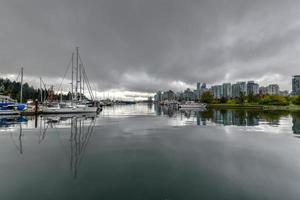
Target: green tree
x=241, y=99
x=296, y=100
x=223, y=99
x=250, y=97
x=206, y=97
x=275, y=100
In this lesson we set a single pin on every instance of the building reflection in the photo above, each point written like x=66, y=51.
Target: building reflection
x=296, y=122
x=240, y=117
x=231, y=117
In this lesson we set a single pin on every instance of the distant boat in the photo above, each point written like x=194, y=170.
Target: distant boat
x=193, y=105
x=9, y=106
x=78, y=103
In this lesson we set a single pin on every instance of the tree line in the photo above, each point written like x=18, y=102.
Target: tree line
x=207, y=97
x=13, y=90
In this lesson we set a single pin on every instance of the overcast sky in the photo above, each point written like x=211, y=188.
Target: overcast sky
x=146, y=45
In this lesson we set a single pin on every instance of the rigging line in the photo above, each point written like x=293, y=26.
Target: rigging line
x=68, y=67
x=45, y=87
x=18, y=77
x=88, y=84
x=87, y=80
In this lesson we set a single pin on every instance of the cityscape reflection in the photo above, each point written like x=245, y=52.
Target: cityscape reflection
x=223, y=117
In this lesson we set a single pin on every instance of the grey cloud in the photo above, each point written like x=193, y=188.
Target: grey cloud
x=155, y=42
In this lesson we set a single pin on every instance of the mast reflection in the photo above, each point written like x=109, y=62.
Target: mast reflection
x=81, y=129
x=81, y=132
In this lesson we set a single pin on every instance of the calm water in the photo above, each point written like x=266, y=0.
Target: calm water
x=147, y=152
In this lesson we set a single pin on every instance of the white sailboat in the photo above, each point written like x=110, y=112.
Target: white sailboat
x=78, y=103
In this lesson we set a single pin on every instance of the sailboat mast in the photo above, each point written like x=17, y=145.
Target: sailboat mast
x=41, y=89
x=72, y=79
x=21, y=90
x=77, y=72
x=80, y=82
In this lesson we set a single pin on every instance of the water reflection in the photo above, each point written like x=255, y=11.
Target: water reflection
x=8, y=121
x=296, y=122
x=235, y=117
x=80, y=129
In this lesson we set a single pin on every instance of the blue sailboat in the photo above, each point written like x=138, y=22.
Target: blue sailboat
x=9, y=106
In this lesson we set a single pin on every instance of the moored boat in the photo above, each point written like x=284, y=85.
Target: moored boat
x=79, y=103
x=193, y=105
x=9, y=106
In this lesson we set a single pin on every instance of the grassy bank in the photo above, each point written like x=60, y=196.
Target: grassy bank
x=290, y=107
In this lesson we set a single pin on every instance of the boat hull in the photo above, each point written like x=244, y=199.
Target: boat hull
x=69, y=110
x=9, y=112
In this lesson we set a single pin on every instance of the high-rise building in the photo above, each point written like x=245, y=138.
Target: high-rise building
x=217, y=91
x=227, y=90
x=203, y=86
x=238, y=88
x=252, y=88
x=263, y=90
x=273, y=89
x=198, y=86
x=296, y=85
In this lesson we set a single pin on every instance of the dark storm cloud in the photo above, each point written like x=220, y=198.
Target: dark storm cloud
x=145, y=45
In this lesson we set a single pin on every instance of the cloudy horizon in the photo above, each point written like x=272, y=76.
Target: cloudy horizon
x=136, y=47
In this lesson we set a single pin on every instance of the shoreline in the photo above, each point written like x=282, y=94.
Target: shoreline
x=255, y=106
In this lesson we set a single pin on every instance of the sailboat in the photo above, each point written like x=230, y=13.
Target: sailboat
x=9, y=106
x=79, y=103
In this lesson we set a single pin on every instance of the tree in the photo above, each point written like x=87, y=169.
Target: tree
x=206, y=97
x=223, y=99
x=241, y=98
x=296, y=100
x=250, y=97
x=275, y=100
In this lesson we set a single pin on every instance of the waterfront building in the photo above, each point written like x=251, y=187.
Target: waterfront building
x=197, y=93
x=189, y=95
x=252, y=88
x=227, y=90
x=263, y=90
x=273, y=89
x=284, y=93
x=168, y=95
x=217, y=91
x=237, y=88
x=198, y=86
x=200, y=89
x=296, y=85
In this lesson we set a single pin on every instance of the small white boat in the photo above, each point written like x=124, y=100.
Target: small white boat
x=193, y=105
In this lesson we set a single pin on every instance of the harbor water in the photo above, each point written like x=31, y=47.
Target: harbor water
x=144, y=151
